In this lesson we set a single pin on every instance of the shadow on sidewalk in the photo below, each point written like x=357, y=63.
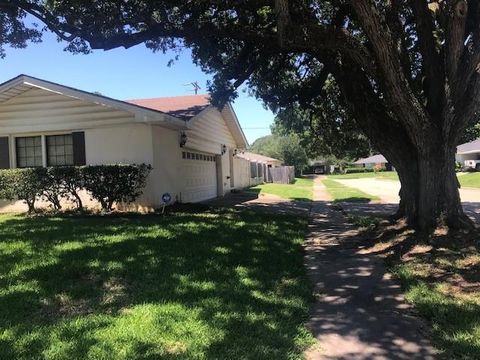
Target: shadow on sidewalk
x=253, y=200
x=359, y=312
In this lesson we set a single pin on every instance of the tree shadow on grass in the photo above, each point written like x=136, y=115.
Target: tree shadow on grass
x=441, y=289
x=355, y=199
x=224, y=284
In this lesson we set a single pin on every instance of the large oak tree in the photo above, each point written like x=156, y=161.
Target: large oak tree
x=407, y=71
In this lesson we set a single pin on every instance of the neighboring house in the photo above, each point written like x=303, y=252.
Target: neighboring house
x=191, y=145
x=468, y=154
x=260, y=165
x=376, y=161
x=320, y=166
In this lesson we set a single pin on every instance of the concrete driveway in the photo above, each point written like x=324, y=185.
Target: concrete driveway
x=387, y=191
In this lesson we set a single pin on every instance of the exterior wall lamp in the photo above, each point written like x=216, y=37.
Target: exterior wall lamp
x=183, y=139
x=224, y=149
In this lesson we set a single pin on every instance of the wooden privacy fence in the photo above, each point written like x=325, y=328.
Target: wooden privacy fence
x=282, y=174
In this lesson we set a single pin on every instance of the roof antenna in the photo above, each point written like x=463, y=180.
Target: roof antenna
x=195, y=85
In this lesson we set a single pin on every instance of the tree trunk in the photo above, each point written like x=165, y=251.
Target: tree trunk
x=429, y=195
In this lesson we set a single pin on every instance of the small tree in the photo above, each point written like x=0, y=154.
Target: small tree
x=24, y=184
x=54, y=190
x=71, y=183
x=285, y=148
x=110, y=184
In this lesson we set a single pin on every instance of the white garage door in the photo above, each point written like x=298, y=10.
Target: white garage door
x=199, y=177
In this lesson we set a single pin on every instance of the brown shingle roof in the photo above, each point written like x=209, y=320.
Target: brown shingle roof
x=183, y=107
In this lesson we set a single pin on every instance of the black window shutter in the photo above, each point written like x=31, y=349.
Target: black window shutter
x=4, y=153
x=79, y=157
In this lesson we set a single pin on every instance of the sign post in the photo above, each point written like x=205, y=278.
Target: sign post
x=166, y=198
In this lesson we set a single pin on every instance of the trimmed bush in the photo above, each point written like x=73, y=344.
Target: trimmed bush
x=358, y=170
x=53, y=190
x=24, y=184
x=70, y=180
x=110, y=184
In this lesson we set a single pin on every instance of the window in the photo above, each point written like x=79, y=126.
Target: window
x=29, y=151
x=260, y=170
x=197, y=156
x=59, y=150
x=253, y=170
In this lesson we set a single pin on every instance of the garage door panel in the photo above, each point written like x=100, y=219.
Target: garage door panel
x=199, y=177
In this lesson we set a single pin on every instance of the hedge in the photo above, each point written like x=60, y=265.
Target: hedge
x=107, y=184
x=357, y=170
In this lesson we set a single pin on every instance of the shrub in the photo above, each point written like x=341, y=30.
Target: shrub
x=53, y=190
x=358, y=170
x=110, y=184
x=71, y=182
x=24, y=184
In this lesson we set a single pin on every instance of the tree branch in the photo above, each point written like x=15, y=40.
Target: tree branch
x=455, y=37
x=396, y=88
x=431, y=62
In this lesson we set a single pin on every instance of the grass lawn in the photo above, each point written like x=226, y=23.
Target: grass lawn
x=210, y=285
x=383, y=175
x=302, y=189
x=470, y=180
x=342, y=193
x=442, y=284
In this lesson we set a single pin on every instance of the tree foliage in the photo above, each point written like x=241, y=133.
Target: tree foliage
x=287, y=148
x=321, y=137
x=14, y=29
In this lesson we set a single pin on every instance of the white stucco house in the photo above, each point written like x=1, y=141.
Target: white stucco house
x=468, y=154
x=376, y=161
x=260, y=166
x=191, y=145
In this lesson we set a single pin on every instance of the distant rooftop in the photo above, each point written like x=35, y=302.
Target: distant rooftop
x=375, y=159
x=257, y=157
x=473, y=146
x=183, y=107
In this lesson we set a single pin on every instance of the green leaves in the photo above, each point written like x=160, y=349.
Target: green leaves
x=108, y=184
x=285, y=148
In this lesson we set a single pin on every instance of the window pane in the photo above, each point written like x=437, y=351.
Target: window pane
x=38, y=161
x=29, y=151
x=60, y=150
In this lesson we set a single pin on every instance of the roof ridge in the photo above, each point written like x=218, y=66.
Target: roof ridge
x=169, y=97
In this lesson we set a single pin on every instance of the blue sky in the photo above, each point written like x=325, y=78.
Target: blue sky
x=125, y=74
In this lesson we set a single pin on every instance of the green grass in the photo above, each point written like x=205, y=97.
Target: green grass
x=301, y=190
x=342, y=193
x=383, y=175
x=455, y=320
x=211, y=285
x=470, y=180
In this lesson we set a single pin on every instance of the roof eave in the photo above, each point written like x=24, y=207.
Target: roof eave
x=141, y=113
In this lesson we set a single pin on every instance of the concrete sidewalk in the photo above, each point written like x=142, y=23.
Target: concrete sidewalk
x=359, y=312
